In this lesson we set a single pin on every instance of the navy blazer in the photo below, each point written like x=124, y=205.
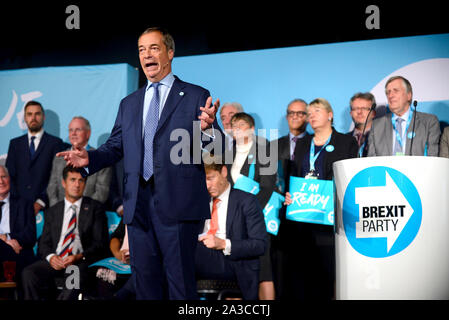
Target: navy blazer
x=29, y=176
x=92, y=228
x=22, y=222
x=180, y=188
x=245, y=227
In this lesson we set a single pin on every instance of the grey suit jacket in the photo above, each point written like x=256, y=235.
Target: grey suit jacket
x=444, y=143
x=97, y=186
x=427, y=129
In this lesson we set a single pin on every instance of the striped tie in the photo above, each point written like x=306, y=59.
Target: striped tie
x=69, y=236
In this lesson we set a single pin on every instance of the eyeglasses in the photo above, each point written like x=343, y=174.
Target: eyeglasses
x=360, y=109
x=297, y=113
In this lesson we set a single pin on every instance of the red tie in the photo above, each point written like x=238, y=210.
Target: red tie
x=214, y=218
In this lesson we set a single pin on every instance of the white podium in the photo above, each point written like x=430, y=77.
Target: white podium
x=392, y=228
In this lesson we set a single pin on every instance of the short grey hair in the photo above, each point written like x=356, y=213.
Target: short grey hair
x=407, y=84
x=295, y=101
x=4, y=168
x=167, y=38
x=86, y=122
x=236, y=105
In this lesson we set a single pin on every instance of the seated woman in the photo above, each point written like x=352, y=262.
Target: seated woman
x=309, y=248
x=248, y=152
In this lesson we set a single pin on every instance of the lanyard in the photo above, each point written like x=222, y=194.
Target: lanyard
x=314, y=156
x=399, y=136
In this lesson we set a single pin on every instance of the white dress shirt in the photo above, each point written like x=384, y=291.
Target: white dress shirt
x=164, y=90
x=37, y=140
x=292, y=143
x=77, y=247
x=222, y=211
x=4, y=223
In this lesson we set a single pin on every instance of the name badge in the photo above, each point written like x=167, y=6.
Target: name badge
x=311, y=175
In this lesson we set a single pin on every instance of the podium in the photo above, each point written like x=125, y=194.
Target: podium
x=392, y=228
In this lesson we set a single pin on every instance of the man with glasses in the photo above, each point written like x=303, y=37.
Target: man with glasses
x=360, y=105
x=297, y=122
x=97, y=186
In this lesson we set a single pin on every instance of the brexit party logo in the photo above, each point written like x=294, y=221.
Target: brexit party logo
x=382, y=212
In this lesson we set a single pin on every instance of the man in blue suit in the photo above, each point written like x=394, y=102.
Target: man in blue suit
x=30, y=157
x=235, y=236
x=164, y=200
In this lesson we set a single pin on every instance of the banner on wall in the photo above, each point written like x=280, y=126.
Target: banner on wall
x=93, y=92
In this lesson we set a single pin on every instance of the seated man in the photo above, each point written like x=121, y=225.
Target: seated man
x=235, y=237
x=75, y=233
x=17, y=227
x=97, y=187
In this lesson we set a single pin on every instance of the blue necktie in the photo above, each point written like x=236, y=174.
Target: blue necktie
x=32, y=147
x=149, y=131
x=397, y=145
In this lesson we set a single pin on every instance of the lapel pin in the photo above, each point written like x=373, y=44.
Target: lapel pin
x=181, y=93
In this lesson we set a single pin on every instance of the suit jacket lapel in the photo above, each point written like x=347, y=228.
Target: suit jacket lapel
x=83, y=215
x=410, y=129
x=388, y=134
x=58, y=221
x=26, y=148
x=40, y=147
x=173, y=99
x=232, y=208
x=12, y=213
x=328, y=155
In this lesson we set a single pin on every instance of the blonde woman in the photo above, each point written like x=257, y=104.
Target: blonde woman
x=309, y=248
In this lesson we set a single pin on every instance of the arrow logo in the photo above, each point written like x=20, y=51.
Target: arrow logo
x=383, y=211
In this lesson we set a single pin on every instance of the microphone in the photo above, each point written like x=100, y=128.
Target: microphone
x=373, y=107
x=415, y=103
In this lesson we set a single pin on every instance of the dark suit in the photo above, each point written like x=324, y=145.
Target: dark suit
x=365, y=144
x=287, y=168
x=308, y=249
x=245, y=227
x=93, y=233
x=22, y=223
x=29, y=176
x=163, y=215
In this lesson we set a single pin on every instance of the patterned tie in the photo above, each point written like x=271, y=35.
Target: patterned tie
x=214, y=218
x=32, y=147
x=149, y=131
x=294, y=139
x=397, y=145
x=359, y=137
x=69, y=236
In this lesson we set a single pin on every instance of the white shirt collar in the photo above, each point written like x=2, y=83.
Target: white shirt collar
x=68, y=204
x=404, y=116
x=291, y=136
x=37, y=135
x=167, y=81
x=6, y=200
x=225, y=194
